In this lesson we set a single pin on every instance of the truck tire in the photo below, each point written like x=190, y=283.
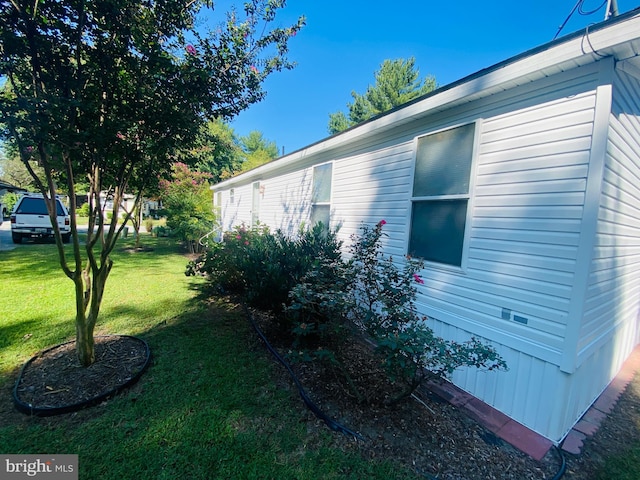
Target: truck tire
x=16, y=237
x=66, y=238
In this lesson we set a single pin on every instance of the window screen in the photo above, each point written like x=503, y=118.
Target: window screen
x=443, y=162
x=437, y=230
x=320, y=214
x=321, y=192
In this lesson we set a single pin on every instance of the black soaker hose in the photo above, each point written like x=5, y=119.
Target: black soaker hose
x=563, y=464
x=331, y=423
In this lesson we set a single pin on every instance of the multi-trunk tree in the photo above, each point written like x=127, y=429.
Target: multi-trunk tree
x=108, y=91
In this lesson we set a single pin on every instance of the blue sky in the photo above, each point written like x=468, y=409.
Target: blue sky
x=345, y=41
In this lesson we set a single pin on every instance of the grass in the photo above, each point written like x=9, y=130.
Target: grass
x=208, y=406
x=622, y=466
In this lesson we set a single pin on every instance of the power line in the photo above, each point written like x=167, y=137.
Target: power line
x=611, y=10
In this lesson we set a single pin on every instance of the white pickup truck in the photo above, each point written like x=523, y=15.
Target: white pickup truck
x=30, y=219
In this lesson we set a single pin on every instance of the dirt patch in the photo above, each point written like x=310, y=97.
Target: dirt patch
x=54, y=380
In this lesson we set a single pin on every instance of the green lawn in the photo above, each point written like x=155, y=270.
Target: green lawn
x=207, y=407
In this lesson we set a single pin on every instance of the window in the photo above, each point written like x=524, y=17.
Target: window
x=321, y=194
x=255, y=204
x=441, y=195
x=36, y=206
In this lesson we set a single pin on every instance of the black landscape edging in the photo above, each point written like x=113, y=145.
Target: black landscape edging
x=50, y=411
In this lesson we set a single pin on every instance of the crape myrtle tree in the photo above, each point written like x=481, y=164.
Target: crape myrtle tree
x=108, y=92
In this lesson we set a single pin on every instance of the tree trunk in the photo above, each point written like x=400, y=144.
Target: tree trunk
x=84, y=342
x=88, y=301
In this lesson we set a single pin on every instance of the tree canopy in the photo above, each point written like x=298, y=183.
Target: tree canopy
x=222, y=153
x=396, y=82
x=257, y=150
x=111, y=90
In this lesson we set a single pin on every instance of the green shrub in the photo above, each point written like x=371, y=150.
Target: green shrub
x=316, y=297
x=316, y=310
x=187, y=205
x=265, y=266
x=382, y=303
x=160, y=231
x=9, y=200
x=83, y=210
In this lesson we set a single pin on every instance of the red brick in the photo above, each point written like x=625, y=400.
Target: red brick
x=585, y=427
x=486, y=414
x=607, y=400
x=594, y=416
x=573, y=443
x=525, y=440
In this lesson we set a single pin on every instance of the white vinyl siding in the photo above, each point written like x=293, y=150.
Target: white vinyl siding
x=287, y=200
x=374, y=186
x=529, y=196
x=613, y=293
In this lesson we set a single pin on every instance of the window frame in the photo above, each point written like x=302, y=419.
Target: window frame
x=312, y=202
x=469, y=196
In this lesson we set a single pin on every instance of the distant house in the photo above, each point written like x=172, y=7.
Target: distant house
x=520, y=186
x=5, y=188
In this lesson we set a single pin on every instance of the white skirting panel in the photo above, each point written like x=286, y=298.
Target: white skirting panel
x=536, y=393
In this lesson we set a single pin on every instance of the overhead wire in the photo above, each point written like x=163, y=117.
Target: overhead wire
x=579, y=6
x=581, y=10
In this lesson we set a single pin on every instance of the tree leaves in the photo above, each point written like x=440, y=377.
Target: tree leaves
x=396, y=83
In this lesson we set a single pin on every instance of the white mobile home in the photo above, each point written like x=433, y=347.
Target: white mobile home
x=520, y=185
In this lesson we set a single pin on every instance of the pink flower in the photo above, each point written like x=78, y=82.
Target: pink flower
x=238, y=237
x=246, y=243
x=191, y=50
x=418, y=278
x=254, y=69
x=382, y=222
x=120, y=136
x=29, y=149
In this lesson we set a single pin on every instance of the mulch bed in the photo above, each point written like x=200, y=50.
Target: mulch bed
x=423, y=432
x=53, y=381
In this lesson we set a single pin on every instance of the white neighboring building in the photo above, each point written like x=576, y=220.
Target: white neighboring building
x=520, y=185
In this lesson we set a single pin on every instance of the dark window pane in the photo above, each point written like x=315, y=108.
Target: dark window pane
x=321, y=183
x=36, y=206
x=437, y=230
x=443, y=162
